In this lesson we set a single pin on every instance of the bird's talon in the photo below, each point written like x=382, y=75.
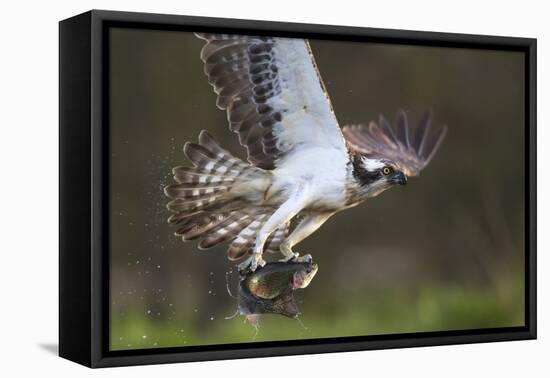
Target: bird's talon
x=252, y=263
x=304, y=259
x=295, y=257
x=291, y=257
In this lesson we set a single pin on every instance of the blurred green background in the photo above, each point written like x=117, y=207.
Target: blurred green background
x=443, y=253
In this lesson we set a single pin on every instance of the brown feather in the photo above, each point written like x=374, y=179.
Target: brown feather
x=244, y=74
x=381, y=141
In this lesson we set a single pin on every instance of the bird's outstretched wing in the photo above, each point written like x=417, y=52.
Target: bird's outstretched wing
x=273, y=93
x=410, y=149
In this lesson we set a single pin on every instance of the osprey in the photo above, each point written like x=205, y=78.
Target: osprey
x=301, y=164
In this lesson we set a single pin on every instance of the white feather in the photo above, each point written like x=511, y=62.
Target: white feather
x=221, y=169
x=309, y=120
x=372, y=164
x=239, y=240
x=209, y=166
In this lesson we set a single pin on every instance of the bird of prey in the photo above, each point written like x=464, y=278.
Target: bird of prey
x=301, y=164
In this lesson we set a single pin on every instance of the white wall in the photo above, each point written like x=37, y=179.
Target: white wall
x=28, y=158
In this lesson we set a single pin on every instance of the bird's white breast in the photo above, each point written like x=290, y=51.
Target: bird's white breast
x=319, y=171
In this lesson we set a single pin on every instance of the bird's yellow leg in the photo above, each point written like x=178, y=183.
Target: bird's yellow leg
x=282, y=215
x=306, y=227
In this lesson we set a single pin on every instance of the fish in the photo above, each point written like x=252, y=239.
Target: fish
x=270, y=289
x=273, y=279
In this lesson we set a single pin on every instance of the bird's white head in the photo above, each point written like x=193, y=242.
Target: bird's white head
x=375, y=175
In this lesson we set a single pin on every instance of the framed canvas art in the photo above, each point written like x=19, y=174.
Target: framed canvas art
x=234, y=188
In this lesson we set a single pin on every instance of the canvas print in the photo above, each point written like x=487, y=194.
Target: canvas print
x=266, y=188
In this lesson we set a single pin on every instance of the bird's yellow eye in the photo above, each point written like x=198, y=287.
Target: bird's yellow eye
x=386, y=170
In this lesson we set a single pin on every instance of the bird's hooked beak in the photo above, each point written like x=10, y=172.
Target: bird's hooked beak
x=399, y=178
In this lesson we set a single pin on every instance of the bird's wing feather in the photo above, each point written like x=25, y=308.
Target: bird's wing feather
x=273, y=93
x=410, y=149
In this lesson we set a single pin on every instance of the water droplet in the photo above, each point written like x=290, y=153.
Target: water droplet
x=211, y=318
x=148, y=311
x=144, y=337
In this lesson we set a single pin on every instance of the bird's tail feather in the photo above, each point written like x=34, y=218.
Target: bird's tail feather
x=208, y=184
x=204, y=205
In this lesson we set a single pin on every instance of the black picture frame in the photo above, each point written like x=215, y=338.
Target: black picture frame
x=83, y=196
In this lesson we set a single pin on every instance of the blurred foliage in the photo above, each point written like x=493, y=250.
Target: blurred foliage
x=445, y=252
x=426, y=308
